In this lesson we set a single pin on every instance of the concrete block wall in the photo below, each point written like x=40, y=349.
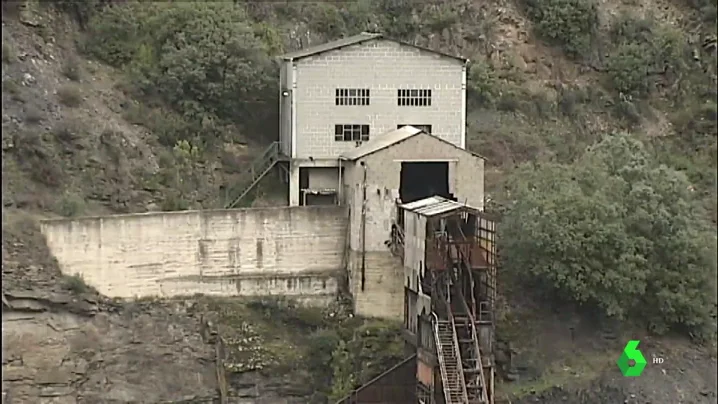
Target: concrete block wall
x=295, y=252
x=381, y=66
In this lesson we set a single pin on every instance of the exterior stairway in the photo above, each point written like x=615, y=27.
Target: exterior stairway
x=457, y=342
x=452, y=375
x=259, y=168
x=471, y=360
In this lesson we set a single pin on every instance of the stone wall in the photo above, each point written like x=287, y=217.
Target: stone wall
x=295, y=252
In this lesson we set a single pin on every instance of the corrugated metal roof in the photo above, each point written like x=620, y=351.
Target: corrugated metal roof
x=434, y=205
x=354, y=40
x=381, y=142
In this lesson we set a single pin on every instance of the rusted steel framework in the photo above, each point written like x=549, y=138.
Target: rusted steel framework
x=457, y=271
x=449, y=255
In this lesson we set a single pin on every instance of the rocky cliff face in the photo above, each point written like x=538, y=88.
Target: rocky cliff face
x=66, y=349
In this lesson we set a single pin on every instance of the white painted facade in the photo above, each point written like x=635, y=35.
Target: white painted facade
x=309, y=113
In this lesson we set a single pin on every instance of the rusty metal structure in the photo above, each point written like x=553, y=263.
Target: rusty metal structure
x=449, y=255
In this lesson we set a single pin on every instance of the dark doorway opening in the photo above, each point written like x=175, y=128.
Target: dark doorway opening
x=313, y=199
x=424, y=179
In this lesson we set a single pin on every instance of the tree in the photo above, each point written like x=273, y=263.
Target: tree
x=616, y=232
x=206, y=60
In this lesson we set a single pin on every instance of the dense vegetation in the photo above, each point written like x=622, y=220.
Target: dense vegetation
x=622, y=229
x=616, y=223
x=326, y=353
x=615, y=233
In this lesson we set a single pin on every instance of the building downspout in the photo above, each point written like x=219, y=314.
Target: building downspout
x=293, y=109
x=462, y=141
x=340, y=184
x=363, y=228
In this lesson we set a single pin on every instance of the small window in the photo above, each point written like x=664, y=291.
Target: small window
x=414, y=98
x=351, y=96
x=351, y=133
x=425, y=128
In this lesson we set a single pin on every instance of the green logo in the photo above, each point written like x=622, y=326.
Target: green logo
x=631, y=353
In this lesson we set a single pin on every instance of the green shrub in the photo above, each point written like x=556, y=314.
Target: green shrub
x=76, y=283
x=72, y=69
x=70, y=96
x=174, y=201
x=206, y=60
x=630, y=69
x=483, y=83
x=643, y=53
x=70, y=205
x=569, y=23
x=168, y=126
x=614, y=232
x=397, y=18
x=322, y=344
x=374, y=348
x=116, y=34
x=69, y=130
x=325, y=19
x=289, y=312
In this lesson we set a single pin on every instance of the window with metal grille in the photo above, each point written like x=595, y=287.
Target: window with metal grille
x=351, y=96
x=413, y=98
x=425, y=128
x=351, y=133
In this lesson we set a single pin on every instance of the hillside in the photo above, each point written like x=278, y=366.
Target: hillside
x=107, y=110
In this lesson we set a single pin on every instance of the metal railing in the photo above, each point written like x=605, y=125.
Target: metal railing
x=259, y=167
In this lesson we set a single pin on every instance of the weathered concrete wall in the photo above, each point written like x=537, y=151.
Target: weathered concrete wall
x=295, y=252
x=383, y=292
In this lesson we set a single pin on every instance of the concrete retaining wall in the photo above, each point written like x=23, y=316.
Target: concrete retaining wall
x=290, y=251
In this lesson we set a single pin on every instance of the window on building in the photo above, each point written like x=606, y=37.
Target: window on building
x=414, y=98
x=351, y=133
x=425, y=128
x=351, y=96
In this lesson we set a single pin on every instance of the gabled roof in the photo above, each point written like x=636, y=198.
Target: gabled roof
x=436, y=205
x=389, y=139
x=381, y=142
x=355, y=40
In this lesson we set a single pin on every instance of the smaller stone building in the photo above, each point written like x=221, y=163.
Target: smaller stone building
x=398, y=167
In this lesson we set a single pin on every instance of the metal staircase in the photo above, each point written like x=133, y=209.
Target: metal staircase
x=259, y=168
x=471, y=360
x=457, y=339
x=448, y=353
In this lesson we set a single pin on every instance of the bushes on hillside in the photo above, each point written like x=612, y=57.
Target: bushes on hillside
x=569, y=23
x=617, y=233
x=644, y=54
x=206, y=60
x=483, y=83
